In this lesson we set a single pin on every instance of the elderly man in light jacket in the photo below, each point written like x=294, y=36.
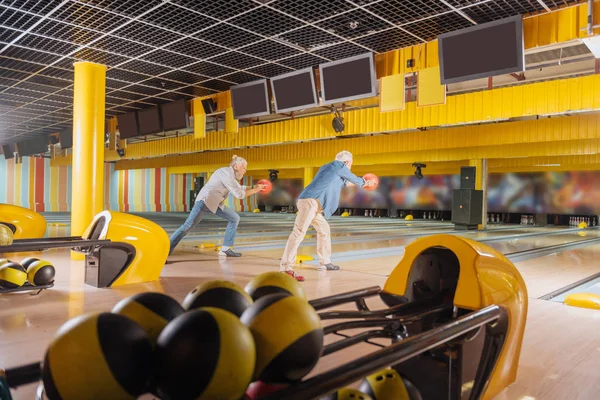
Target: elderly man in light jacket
x=317, y=202
x=210, y=199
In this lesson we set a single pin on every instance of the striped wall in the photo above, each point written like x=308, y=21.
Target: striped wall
x=148, y=190
x=33, y=184
x=36, y=185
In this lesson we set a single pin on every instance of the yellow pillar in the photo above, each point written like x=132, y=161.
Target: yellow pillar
x=232, y=125
x=309, y=174
x=87, y=180
x=481, y=175
x=199, y=119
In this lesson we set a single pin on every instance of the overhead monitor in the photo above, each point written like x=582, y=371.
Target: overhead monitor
x=174, y=115
x=149, y=121
x=250, y=99
x=348, y=79
x=294, y=91
x=128, y=125
x=32, y=147
x=66, y=138
x=481, y=51
x=8, y=150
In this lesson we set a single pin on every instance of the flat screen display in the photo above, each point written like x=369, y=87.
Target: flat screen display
x=250, y=99
x=128, y=125
x=174, y=115
x=149, y=121
x=33, y=146
x=348, y=79
x=485, y=50
x=66, y=139
x=8, y=150
x=294, y=91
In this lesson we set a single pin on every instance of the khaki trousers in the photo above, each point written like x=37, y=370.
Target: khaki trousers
x=309, y=213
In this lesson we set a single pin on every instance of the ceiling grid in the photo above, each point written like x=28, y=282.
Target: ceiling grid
x=161, y=50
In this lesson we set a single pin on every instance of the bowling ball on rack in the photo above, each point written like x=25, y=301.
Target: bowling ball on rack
x=348, y=394
x=6, y=235
x=388, y=384
x=205, y=353
x=288, y=335
x=40, y=273
x=371, y=177
x=26, y=262
x=268, y=184
x=152, y=311
x=220, y=294
x=98, y=355
x=12, y=275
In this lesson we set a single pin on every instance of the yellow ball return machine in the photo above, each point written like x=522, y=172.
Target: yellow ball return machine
x=119, y=249
x=454, y=316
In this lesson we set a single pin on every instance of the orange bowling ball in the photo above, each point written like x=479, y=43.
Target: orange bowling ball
x=268, y=184
x=371, y=177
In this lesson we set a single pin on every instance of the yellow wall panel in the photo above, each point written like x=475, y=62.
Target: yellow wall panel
x=549, y=136
x=429, y=90
x=391, y=93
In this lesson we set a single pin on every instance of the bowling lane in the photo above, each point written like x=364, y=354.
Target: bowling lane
x=546, y=274
x=535, y=242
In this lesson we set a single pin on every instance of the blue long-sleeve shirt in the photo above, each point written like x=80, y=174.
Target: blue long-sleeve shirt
x=327, y=186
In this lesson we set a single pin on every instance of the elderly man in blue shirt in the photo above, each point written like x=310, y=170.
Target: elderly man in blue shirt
x=210, y=200
x=317, y=202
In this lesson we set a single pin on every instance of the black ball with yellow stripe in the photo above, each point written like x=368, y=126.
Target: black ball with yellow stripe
x=12, y=275
x=206, y=353
x=220, y=294
x=348, y=394
x=150, y=310
x=4, y=261
x=274, y=282
x=26, y=262
x=101, y=356
x=288, y=335
x=387, y=384
x=40, y=273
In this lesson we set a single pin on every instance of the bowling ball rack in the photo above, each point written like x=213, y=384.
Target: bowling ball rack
x=75, y=243
x=411, y=326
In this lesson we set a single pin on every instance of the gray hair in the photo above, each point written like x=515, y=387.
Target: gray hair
x=235, y=160
x=343, y=156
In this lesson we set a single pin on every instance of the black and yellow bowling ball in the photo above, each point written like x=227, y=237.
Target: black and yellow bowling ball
x=6, y=235
x=26, y=262
x=40, y=273
x=387, y=384
x=220, y=294
x=99, y=355
x=12, y=275
x=288, y=335
x=206, y=353
x=348, y=394
x=274, y=282
x=150, y=310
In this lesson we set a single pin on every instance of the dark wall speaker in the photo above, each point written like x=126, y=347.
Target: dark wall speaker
x=210, y=106
x=467, y=177
x=467, y=206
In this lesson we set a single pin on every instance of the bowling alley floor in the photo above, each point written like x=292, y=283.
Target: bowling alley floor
x=560, y=358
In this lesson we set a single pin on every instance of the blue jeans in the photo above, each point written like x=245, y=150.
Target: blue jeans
x=197, y=214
